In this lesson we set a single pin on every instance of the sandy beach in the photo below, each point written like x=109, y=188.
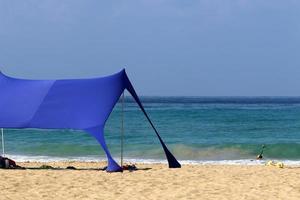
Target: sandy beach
x=152, y=181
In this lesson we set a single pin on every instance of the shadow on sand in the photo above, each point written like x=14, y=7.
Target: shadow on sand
x=70, y=168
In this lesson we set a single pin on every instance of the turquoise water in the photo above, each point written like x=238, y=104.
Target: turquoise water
x=196, y=129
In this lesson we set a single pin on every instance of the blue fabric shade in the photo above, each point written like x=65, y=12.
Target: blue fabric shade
x=82, y=104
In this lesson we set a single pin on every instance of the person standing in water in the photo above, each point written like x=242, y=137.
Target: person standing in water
x=260, y=156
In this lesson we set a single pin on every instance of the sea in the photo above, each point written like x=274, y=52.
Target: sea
x=197, y=130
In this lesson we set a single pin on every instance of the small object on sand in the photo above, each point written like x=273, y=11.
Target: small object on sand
x=272, y=163
x=70, y=167
x=129, y=167
x=7, y=163
x=280, y=165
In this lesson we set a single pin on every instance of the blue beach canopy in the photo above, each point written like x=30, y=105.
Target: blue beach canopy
x=81, y=104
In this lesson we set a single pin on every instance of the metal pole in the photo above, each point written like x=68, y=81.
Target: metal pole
x=122, y=129
x=2, y=133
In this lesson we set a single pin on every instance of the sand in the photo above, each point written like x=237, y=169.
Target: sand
x=153, y=181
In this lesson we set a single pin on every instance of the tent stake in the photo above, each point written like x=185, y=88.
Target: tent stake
x=122, y=129
x=2, y=133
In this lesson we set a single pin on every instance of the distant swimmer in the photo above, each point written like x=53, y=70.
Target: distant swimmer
x=260, y=156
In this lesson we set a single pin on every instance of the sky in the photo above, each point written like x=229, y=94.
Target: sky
x=168, y=47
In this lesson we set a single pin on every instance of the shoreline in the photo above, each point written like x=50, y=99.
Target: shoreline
x=46, y=159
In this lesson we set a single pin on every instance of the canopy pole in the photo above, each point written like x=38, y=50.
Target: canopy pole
x=2, y=133
x=122, y=129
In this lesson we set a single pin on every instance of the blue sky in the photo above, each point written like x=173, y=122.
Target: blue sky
x=169, y=47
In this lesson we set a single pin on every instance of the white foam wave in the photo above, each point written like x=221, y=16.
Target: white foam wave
x=23, y=158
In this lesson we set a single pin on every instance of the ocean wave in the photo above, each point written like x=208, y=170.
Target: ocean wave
x=22, y=158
